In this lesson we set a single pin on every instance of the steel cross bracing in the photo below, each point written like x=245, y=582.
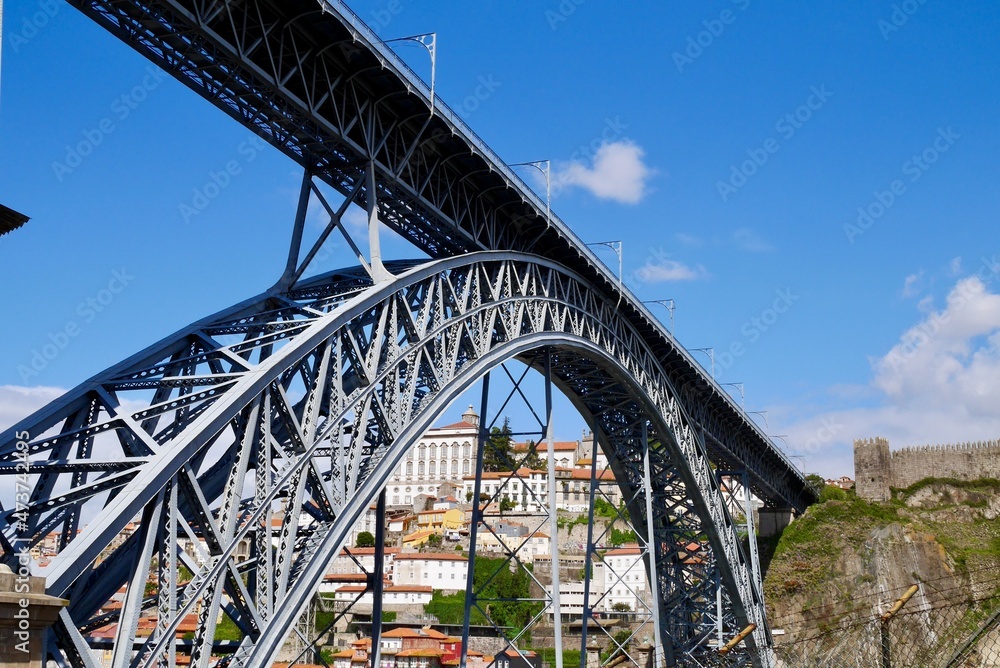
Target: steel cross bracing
x=312, y=79
x=207, y=434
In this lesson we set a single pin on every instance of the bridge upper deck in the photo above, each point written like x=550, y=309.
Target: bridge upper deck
x=313, y=80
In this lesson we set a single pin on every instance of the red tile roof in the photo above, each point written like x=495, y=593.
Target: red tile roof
x=431, y=556
x=627, y=549
x=544, y=446
x=461, y=424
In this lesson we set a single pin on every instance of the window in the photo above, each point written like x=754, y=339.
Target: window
x=395, y=499
x=467, y=450
x=407, y=499
x=420, y=467
x=466, y=467
x=454, y=467
x=433, y=467
x=409, y=468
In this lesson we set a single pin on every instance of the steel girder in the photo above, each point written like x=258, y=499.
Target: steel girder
x=312, y=79
x=201, y=437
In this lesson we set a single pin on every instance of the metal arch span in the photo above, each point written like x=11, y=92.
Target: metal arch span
x=202, y=434
x=312, y=79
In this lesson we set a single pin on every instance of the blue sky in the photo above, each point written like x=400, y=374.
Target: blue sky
x=728, y=145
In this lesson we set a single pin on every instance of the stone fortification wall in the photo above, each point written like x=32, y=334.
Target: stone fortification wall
x=876, y=469
x=966, y=461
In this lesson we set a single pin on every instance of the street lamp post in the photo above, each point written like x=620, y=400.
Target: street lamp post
x=616, y=246
x=667, y=304
x=711, y=356
x=428, y=41
x=547, y=173
x=738, y=386
x=763, y=414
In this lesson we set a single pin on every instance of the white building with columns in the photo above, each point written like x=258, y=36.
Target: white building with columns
x=442, y=455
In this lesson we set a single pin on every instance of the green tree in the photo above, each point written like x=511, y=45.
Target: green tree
x=497, y=454
x=532, y=460
x=619, y=537
x=832, y=493
x=365, y=539
x=604, y=509
x=816, y=482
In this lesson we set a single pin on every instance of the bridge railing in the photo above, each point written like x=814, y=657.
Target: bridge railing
x=441, y=108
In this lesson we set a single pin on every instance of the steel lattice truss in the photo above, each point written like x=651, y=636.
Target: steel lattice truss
x=202, y=435
x=312, y=79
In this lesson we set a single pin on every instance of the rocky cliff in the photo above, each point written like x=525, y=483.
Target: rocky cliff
x=837, y=568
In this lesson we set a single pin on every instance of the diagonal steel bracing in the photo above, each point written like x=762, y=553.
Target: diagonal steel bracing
x=226, y=439
x=312, y=79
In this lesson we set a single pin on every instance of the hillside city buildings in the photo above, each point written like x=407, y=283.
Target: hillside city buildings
x=430, y=500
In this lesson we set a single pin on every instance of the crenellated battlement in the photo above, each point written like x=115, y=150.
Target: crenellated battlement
x=876, y=469
x=871, y=442
x=972, y=446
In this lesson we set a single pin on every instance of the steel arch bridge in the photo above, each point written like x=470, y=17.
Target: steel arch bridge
x=308, y=395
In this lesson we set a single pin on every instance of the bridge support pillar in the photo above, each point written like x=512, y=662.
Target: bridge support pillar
x=26, y=613
x=774, y=520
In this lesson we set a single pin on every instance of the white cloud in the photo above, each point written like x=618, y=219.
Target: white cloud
x=748, y=240
x=662, y=271
x=912, y=284
x=618, y=173
x=940, y=383
x=356, y=221
x=17, y=403
x=743, y=239
x=689, y=240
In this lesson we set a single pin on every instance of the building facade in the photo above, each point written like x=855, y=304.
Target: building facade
x=442, y=455
x=441, y=570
